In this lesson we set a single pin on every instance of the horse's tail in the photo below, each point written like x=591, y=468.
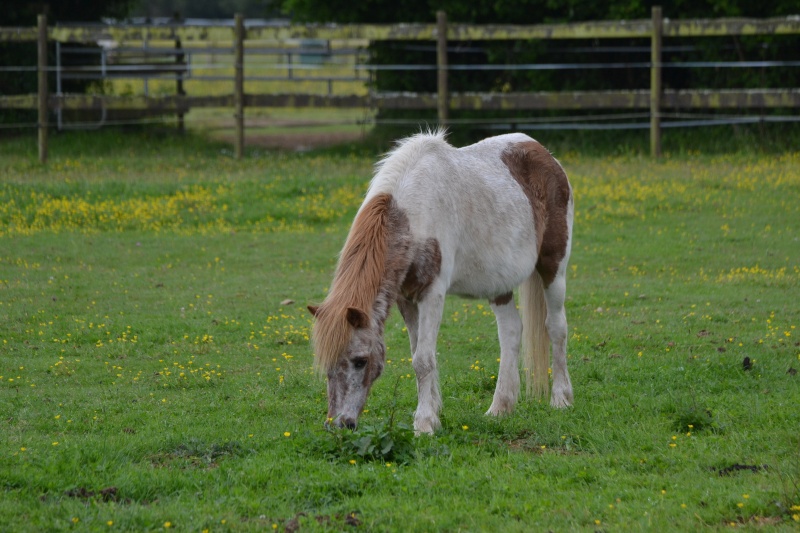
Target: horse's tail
x=535, y=341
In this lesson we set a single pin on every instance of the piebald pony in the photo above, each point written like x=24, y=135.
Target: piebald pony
x=476, y=221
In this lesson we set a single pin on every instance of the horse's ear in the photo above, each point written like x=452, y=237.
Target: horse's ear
x=313, y=309
x=357, y=318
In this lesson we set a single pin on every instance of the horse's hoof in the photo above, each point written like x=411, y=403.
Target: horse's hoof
x=501, y=408
x=560, y=402
x=426, y=427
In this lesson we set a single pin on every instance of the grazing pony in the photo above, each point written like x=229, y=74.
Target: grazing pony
x=475, y=221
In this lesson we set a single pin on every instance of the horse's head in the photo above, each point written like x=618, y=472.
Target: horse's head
x=352, y=371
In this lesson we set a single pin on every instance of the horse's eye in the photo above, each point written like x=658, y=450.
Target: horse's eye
x=359, y=363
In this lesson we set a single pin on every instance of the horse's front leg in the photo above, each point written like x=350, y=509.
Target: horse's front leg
x=411, y=317
x=426, y=418
x=509, y=329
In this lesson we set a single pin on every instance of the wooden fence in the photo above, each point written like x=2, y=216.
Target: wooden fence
x=653, y=99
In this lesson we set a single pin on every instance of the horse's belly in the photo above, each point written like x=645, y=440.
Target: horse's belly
x=493, y=269
x=484, y=227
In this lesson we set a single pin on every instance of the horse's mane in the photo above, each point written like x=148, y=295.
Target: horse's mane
x=362, y=262
x=356, y=282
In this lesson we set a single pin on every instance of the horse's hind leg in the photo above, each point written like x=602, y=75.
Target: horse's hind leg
x=556, y=324
x=509, y=329
x=426, y=418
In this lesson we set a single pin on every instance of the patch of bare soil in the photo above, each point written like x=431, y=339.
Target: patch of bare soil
x=350, y=519
x=297, y=141
x=110, y=494
x=736, y=468
x=301, y=140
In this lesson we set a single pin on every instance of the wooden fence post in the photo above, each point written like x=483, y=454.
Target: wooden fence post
x=180, y=60
x=443, y=97
x=655, y=82
x=238, y=95
x=42, y=71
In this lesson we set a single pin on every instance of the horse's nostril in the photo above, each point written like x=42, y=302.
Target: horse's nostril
x=340, y=422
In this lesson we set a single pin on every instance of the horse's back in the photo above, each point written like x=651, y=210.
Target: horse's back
x=476, y=210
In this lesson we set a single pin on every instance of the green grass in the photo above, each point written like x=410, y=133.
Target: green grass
x=155, y=377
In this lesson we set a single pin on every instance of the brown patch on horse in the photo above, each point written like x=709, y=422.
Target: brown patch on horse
x=503, y=299
x=398, y=260
x=356, y=282
x=424, y=269
x=545, y=184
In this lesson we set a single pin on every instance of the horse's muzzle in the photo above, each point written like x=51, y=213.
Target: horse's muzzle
x=340, y=422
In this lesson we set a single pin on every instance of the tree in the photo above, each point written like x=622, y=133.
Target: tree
x=526, y=11
x=209, y=9
x=24, y=12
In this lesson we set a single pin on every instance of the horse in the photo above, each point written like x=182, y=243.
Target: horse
x=476, y=221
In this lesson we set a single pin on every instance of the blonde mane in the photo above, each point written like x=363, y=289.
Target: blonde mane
x=355, y=284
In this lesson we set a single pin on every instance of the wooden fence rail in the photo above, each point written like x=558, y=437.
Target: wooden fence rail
x=235, y=38
x=641, y=28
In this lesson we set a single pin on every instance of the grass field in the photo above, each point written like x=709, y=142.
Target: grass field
x=155, y=369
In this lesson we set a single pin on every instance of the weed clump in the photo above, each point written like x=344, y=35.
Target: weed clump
x=384, y=441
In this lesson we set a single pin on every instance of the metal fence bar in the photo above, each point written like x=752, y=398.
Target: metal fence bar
x=180, y=68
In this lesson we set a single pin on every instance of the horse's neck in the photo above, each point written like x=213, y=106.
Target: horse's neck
x=398, y=261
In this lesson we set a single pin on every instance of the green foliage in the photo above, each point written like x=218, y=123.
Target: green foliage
x=382, y=441
x=693, y=419
x=385, y=440
x=24, y=12
x=209, y=9
x=525, y=11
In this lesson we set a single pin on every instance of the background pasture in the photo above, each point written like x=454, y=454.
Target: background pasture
x=155, y=371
